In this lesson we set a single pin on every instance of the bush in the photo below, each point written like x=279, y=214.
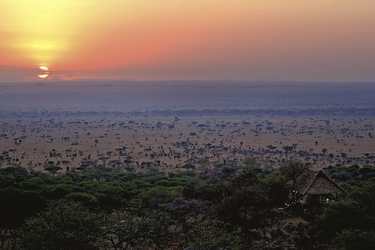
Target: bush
x=64, y=225
x=353, y=239
x=338, y=216
x=85, y=199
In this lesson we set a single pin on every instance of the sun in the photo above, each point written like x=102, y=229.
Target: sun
x=43, y=72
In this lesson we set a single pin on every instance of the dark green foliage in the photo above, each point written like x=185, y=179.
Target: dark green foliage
x=219, y=208
x=244, y=179
x=219, y=236
x=145, y=230
x=276, y=189
x=18, y=204
x=338, y=216
x=16, y=171
x=245, y=201
x=353, y=239
x=189, y=165
x=353, y=173
x=210, y=190
x=187, y=173
x=64, y=225
x=53, y=169
x=60, y=191
x=88, y=200
x=366, y=169
x=238, y=201
x=291, y=169
x=349, y=223
x=365, y=196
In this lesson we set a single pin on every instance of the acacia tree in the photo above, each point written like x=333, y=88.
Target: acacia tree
x=53, y=169
x=203, y=162
x=287, y=150
x=292, y=169
x=250, y=162
x=147, y=230
x=243, y=200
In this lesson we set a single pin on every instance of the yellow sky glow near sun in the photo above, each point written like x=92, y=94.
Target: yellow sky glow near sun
x=208, y=39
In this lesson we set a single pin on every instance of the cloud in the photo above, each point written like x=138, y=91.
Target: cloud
x=14, y=74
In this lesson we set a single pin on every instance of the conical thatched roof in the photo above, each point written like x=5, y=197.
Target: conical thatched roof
x=315, y=182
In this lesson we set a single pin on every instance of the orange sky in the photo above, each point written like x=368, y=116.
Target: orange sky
x=330, y=40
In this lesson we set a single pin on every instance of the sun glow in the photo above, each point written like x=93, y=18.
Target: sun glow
x=163, y=39
x=40, y=32
x=44, y=72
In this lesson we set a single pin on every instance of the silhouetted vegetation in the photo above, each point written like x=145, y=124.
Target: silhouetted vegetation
x=222, y=207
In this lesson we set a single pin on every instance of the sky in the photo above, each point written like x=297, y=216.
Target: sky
x=251, y=40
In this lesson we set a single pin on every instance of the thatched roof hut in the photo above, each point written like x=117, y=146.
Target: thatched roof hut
x=315, y=182
x=314, y=187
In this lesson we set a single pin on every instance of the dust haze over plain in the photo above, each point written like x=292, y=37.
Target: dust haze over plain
x=190, y=98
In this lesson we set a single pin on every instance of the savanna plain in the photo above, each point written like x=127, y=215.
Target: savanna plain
x=204, y=130
x=169, y=124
